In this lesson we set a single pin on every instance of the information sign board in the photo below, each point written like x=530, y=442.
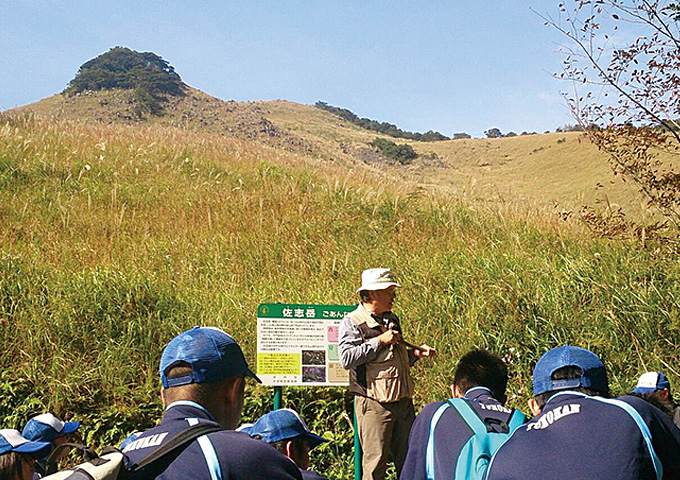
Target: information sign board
x=298, y=344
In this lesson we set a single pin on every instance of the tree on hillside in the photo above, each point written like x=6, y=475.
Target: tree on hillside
x=627, y=96
x=146, y=73
x=493, y=133
x=570, y=128
x=460, y=135
x=404, y=154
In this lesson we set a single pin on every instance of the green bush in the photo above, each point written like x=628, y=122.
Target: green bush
x=403, y=154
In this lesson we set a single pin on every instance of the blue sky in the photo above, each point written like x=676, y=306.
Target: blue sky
x=450, y=66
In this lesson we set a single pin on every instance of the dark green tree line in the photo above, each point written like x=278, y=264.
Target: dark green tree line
x=380, y=127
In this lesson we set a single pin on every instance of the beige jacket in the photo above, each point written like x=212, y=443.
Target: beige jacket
x=387, y=376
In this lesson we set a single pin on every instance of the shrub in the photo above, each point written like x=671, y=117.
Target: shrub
x=493, y=133
x=404, y=154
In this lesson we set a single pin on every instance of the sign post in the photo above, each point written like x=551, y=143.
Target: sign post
x=357, y=444
x=278, y=394
x=297, y=345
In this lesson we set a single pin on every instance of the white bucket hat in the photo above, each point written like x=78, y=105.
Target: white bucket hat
x=377, y=279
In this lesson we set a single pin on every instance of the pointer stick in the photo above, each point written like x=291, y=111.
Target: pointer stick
x=402, y=341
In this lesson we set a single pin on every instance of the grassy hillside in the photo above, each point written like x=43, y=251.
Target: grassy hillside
x=116, y=237
x=560, y=171
x=557, y=172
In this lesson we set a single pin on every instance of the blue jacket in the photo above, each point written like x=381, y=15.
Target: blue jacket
x=582, y=437
x=450, y=435
x=238, y=456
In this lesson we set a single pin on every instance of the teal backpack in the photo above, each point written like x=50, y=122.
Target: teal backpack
x=475, y=455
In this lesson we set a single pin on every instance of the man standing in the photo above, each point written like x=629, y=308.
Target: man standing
x=203, y=373
x=379, y=361
x=577, y=433
x=441, y=431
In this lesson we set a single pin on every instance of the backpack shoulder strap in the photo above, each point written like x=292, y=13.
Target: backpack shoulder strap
x=516, y=420
x=469, y=415
x=180, y=440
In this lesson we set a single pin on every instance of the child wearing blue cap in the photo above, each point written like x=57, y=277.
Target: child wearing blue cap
x=18, y=454
x=578, y=432
x=656, y=389
x=203, y=373
x=48, y=428
x=287, y=432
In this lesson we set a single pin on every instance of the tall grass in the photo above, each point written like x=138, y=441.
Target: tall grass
x=115, y=239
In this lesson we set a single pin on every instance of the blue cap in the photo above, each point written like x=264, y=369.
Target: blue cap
x=13, y=441
x=245, y=428
x=650, y=382
x=284, y=424
x=593, y=376
x=211, y=353
x=47, y=427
